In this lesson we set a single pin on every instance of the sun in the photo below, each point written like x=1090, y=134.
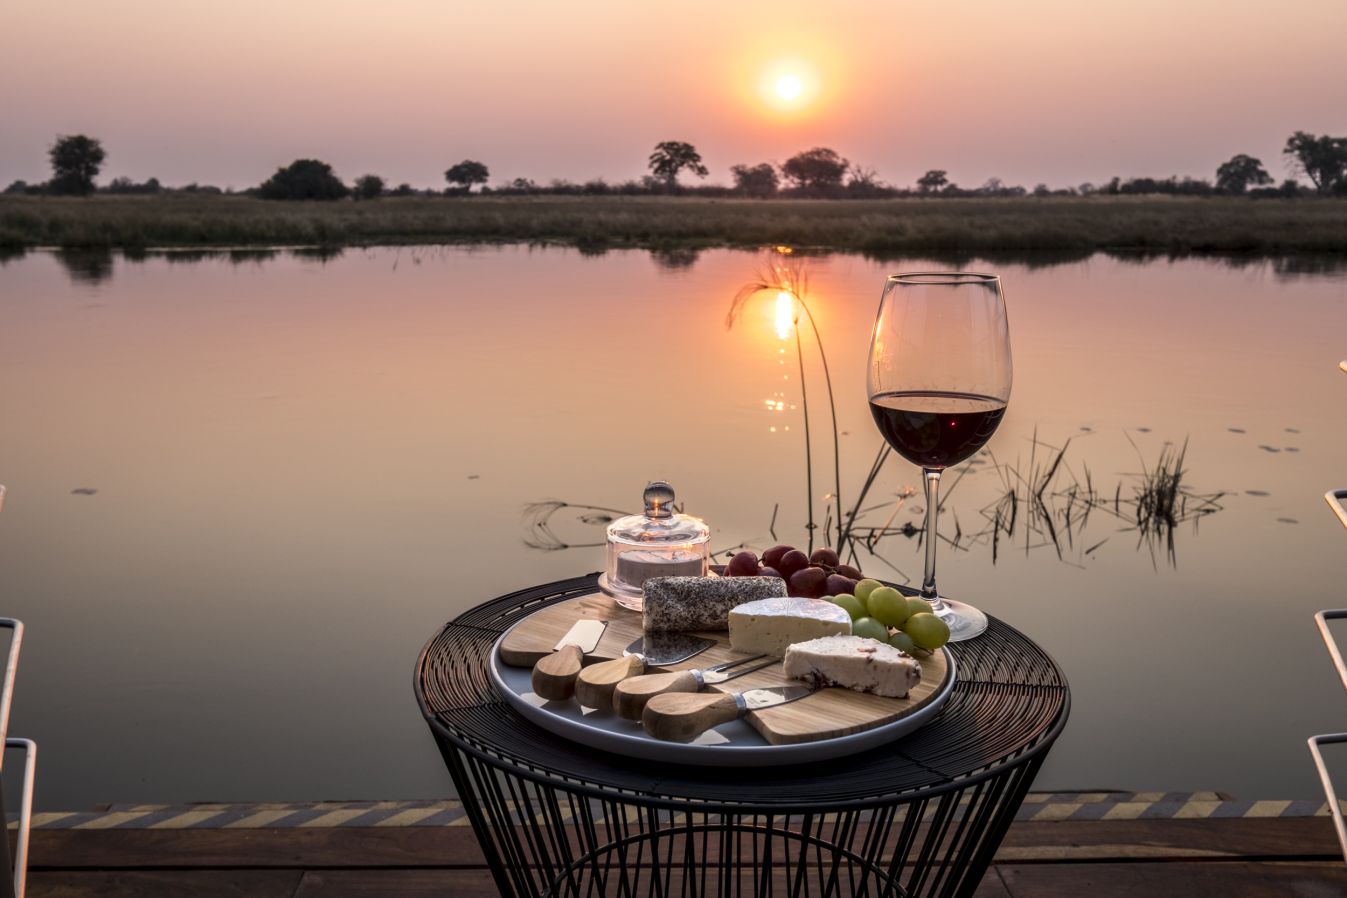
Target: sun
x=788, y=86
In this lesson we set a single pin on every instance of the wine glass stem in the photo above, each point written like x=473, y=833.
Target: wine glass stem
x=932, y=510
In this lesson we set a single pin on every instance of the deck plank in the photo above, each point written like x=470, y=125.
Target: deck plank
x=164, y=884
x=403, y=883
x=1301, y=838
x=1177, y=878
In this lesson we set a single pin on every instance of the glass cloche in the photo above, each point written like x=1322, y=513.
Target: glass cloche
x=656, y=543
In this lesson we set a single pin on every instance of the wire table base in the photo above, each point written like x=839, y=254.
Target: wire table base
x=920, y=817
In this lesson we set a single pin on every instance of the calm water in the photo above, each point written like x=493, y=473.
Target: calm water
x=243, y=494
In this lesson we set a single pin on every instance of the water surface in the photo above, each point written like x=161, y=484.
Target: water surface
x=243, y=493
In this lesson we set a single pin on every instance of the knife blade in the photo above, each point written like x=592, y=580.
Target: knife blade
x=554, y=675
x=630, y=695
x=677, y=717
x=595, y=684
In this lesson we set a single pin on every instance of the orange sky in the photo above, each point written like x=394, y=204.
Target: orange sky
x=1042, y=90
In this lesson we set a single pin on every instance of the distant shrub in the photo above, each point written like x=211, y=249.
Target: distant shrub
x=303, y=179
x=403, y=189
x=759, y=180
x=212, y=189
x=368, y=187
x=126, y=185
x=17, y=187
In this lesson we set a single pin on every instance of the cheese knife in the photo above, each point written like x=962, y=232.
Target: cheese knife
x=594, y=686
x=679, y=717
x=631, y=695
x=554, y=675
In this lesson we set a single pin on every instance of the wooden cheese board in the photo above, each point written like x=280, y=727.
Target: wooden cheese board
x=829, y=723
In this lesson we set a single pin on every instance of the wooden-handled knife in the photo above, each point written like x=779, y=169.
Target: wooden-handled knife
x=630, y=695
x=594, y=687
x=554, y=675
x=680, y=717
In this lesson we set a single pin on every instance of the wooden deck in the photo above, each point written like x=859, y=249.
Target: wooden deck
x=1091, y=859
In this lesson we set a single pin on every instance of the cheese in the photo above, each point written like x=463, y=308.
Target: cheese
x=768, y=626
x=866, y=665
x=682, y=604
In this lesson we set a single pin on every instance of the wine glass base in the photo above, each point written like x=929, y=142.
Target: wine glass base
x=965, y=621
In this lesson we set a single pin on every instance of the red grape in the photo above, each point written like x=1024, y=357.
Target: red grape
x=824, y=557
x=770, y=572
x=847, y=570
x=772, y=557
x=791, y=562
x=744, y=564
x=837, y=585
x=808, y=582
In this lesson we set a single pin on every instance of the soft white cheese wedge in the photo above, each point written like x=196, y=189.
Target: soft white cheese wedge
x=768, y=626
x=866, y=665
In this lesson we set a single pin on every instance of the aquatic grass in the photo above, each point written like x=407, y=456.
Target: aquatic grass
x=789, y=274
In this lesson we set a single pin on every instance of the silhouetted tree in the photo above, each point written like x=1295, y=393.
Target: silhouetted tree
x=755, y=180
x=1241, y=171
x=467, y=173
x=403, y=189
x=1322, y=159
x=303, y=179
x=819, y=169
x=75, y=161
x=369, y=187
x=933, y=180
x=671, y=157
x=16, y=187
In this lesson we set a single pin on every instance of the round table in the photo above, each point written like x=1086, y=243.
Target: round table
x=922, y=816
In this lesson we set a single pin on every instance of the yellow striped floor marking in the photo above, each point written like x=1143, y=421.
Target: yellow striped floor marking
x=409, y=817
x=334, y=818
x=108, y=821
x=258, y=820
x=1267, y=808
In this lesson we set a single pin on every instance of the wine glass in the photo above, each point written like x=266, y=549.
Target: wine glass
x=938, y=384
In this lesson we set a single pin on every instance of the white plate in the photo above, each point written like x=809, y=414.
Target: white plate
x=734, y=744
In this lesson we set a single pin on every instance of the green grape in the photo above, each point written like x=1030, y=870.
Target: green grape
x=865, y=587
x=887, y=605
x=854, y=606
x=903, y=643
x=918, y=606
x=927, y=630
x=869, y=627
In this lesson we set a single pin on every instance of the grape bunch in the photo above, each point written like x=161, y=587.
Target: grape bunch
x=874, y=608
x=810, y=576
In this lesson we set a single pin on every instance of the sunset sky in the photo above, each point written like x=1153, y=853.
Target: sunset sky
x=1057, y=91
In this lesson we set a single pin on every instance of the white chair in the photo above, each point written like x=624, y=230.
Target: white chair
x=29, y=747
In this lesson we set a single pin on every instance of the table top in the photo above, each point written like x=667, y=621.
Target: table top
x=1009, y=702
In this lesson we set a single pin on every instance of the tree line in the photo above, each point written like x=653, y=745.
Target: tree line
x=76, y=161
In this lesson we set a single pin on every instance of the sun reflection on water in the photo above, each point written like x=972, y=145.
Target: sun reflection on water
x=785, y=314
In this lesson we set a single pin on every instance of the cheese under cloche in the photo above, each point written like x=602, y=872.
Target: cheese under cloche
x=856, y=662
x=768, y=626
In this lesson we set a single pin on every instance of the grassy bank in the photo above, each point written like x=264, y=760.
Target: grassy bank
x=1228, y=225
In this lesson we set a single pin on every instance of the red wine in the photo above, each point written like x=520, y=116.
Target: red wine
x=936, y=430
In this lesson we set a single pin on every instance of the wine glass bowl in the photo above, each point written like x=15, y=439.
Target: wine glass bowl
x=938, y=384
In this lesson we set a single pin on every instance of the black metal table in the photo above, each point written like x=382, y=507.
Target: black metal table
x=922, y=816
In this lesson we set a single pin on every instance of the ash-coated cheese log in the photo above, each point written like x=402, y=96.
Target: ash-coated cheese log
x=680, y=604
